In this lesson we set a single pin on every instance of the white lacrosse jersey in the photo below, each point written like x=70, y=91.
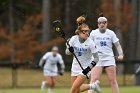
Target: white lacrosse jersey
x=83, y=52
x=51, y=61
x=104, y=43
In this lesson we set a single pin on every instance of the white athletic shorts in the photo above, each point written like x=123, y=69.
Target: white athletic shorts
x=49, y=73
x=76, y=70
x=104, y=63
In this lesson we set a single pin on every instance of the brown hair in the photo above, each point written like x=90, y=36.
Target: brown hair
x=80, y=22
x=101, y=14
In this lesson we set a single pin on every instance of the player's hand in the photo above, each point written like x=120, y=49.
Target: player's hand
x=120, y=58
x=60, y=73
x=93, y=63
x=39, y=65
x=86, y=70
x=71, y=49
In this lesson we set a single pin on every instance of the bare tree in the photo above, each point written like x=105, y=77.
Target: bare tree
x=11, y=27
x=46, y=20
x=117, y=4
x=132, y=34
x=67, y=15
x=138, y=32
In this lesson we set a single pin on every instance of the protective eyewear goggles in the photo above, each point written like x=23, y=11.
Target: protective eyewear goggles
x=85, y=31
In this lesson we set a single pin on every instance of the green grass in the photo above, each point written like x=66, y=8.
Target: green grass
x=30, y=77
x=130, y=89
x=33, y=78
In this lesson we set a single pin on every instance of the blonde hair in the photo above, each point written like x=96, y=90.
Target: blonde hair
x=80, y=22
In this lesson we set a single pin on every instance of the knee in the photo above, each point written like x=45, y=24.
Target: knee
x=93, y=79
x=74, y=90
x=49, y=84
x=53, y=85
x=113, y=81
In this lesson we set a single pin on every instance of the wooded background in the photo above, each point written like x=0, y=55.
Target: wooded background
x=26, y=31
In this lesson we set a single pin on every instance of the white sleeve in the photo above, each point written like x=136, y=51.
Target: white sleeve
x=93, y=47
x=70, y=41
x=45, y=56
x=92, y=35
x=119, y=48
x=43, y=59
x=114, y=38
x=61, y=62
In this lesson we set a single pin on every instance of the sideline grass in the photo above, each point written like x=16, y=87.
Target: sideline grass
x=33, y=78
x=130, y=89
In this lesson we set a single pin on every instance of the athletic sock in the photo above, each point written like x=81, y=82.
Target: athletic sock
x=50, y=90
x=90, y=91
x=43, y=84
x=92, y=86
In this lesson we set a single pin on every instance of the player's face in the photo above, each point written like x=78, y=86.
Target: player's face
x=102, y=25
x=84, y=33
x=54, y=52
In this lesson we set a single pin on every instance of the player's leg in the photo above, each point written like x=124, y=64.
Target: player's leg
x=49, y=83
x=53, y=78
x=91, y=87
x=43, y=85
x=73, y=78
x=52, y=81
x=94, y=83
x=77, y=83
x=111, y=73
x=95, y=75
x=46, y=82
x=85, y=87
x=89, y=91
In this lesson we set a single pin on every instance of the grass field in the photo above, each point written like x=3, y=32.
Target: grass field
x=32, y=78
x=130, y=89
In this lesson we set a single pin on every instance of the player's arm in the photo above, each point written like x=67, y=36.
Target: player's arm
x=69, y=50
x=43, y=59
x=62, y=66
x=115, y=40
x=41, y=62
x=93, y=63
x=119, y=49
x=96, y=59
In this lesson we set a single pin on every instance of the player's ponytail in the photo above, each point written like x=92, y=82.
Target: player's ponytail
x=81, y=23
x=101, y=14
x=80, y=20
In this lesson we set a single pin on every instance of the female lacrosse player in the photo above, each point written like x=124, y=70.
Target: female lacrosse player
x=50, y=68
x=84, y=48
x=104, y=39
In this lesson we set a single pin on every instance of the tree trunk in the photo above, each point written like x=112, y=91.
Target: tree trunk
x=132, y=33
x=117, y=4
x=46, y=20
x=67, y=23
x=138, y=33
x=11, y=27
x=67, y=15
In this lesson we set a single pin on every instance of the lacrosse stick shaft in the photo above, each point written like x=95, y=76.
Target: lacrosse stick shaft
x=57, y=25
x=74, y=55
